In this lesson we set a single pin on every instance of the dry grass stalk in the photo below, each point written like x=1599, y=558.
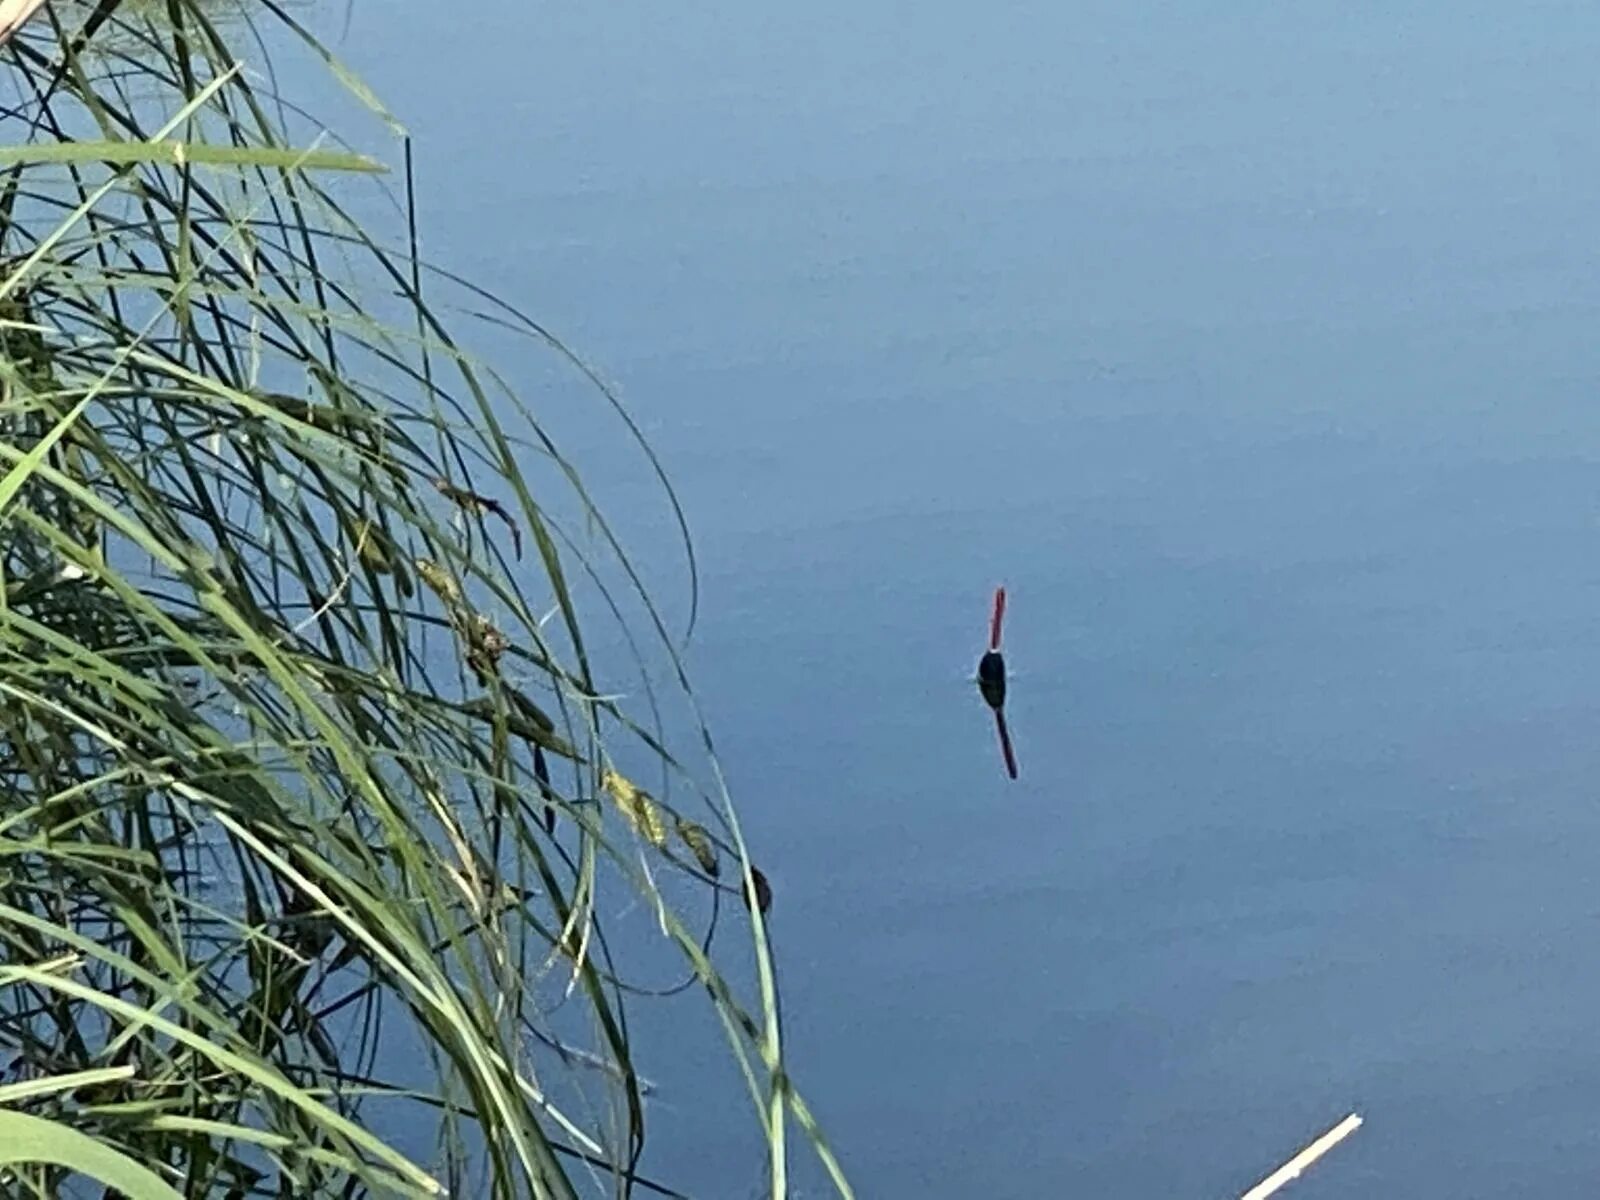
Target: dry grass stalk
x=1295, y=1167
x=13, y=14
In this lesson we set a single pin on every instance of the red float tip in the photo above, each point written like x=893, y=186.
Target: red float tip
x=999, y=615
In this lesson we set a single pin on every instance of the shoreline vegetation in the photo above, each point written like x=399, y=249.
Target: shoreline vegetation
x=319, y=821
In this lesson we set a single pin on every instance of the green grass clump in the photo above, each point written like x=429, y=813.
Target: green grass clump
x=314, y=811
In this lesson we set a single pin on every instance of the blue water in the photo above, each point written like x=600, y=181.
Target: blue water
x=1254, y=348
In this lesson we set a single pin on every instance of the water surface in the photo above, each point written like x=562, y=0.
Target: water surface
x=1253, y=347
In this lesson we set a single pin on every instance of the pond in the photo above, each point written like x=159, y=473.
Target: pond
x=1253, y=349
